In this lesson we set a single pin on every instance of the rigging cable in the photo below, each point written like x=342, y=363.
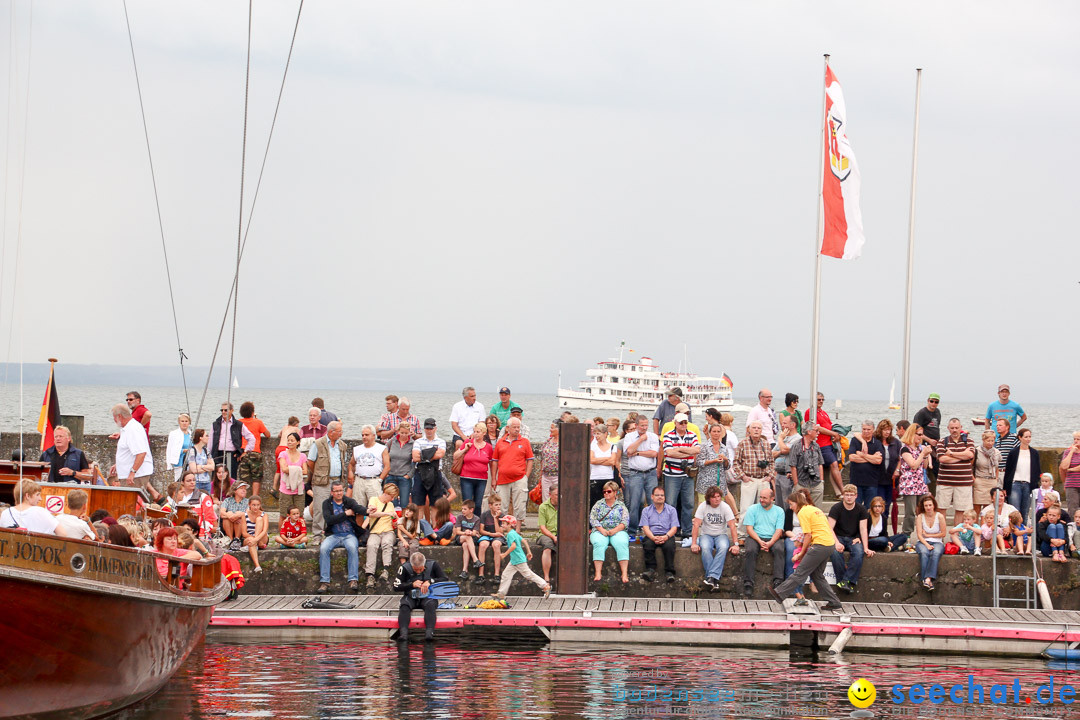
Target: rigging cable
x=251, y=213
x=157, y=205
x=18, y=235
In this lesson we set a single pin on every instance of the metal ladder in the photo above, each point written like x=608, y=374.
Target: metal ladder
x=1030, y=599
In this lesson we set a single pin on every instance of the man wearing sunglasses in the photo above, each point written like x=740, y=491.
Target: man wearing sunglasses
x=230, y=439
x=929, y=419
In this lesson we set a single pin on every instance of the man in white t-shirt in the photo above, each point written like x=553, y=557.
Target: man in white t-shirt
x=133, y=459
x=27, y=513
x=466, y=413
x=72, y=521
x=714, y=529
x=764, y=414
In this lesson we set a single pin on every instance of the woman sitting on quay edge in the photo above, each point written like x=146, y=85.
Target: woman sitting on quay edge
x=256, y=530
x=878, y=539
x=609, y=519
x=817, y=548
x=233, y=511
x=931, y=530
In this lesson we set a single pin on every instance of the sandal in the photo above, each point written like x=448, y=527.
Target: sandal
x=928, y=584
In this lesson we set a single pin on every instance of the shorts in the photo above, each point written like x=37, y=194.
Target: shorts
x=424, y=497
x=546, y=543
x=488, y=538
x=828, y=455
x=250, y=469
x=956, y=496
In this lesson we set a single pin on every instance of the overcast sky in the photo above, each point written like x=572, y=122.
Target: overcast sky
x=526, y=184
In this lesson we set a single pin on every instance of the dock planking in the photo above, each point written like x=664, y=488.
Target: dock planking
x=890, y=627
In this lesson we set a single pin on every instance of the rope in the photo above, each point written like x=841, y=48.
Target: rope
x=240, y=219
x=251, y=213
x=12, y=75
x=157, y=205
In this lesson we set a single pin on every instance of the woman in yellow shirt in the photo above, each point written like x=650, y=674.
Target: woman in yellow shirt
x=817, y=548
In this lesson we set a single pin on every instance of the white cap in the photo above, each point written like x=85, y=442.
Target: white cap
x=681, y=417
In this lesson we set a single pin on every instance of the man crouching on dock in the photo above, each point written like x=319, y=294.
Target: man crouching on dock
x=417, y=574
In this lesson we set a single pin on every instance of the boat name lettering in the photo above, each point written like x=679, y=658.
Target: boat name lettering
x=115, y=566
x=31, y=553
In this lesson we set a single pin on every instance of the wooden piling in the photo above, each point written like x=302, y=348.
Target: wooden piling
x=574, y=508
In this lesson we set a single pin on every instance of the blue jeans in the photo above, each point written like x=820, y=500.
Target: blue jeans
x=403, y=485
x=473, y=489
x=928, y=559
x=789, y=557
x=848, y=571
x=206, y=487
x=352, y=553
x=639, y=487
x=443, y=533
x=881, y=542
x=679, y=494
x=1020, y=498
x=714, y=564
x=1054, y=532
x=866, y=494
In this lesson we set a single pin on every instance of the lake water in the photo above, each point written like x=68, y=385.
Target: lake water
x=1052, y=424
x=489, y=679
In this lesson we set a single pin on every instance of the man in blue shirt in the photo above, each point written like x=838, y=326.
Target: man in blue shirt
x=764, y=532
x=341, y=515
x=659, y=523
x=1007, y=409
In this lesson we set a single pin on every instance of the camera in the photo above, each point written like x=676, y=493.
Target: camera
x=811, y=472
x=762, y=464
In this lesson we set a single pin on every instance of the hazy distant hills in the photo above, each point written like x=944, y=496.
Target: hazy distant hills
x=423, y=379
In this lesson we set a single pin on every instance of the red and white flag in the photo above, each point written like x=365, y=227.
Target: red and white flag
x=842, y=231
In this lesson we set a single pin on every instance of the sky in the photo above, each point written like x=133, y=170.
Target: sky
x=522, y=186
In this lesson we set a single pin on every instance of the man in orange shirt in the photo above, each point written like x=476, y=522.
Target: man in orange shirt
x=250, y=469
x=513, y=461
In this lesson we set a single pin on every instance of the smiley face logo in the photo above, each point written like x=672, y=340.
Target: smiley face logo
x=862, y=693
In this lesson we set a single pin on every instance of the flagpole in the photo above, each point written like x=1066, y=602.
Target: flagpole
x=911, y=250
x=812, y=401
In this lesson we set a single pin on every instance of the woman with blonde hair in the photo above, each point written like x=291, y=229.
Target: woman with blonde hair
x=609, y=519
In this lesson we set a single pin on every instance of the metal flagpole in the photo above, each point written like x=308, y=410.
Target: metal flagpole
x=812, y=401
x=911, y=251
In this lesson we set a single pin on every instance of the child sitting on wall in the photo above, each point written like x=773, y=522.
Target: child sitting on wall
x=1052, y=535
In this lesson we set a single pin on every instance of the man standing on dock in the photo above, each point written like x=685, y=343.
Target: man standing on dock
x=465, y=415
x=417, y=575
x=754, y=468
x=1006, y=409
x=825, y=435
x=512, y=464
x=763, y=413
x=327, y=461
x=503, y=408
x=230, y=439
x=956, y=477
x=138, y=411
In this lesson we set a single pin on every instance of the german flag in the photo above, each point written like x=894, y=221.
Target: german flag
x=50, y=412
x=728, y=382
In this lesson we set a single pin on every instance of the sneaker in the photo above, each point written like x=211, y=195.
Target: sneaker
x=425, y=542
x=748, y=590
x=670, y=577
x=497, y=578
x=775, y=595
x=258, y=569
x=547, y=590
x=384, y=575
x=354, y=585
x=964, y=550
x=477, y=565
x=235, y=546
x=648, y=575
x=498, y=596
x=323, y=587
x=832, y=606
x=687, y=542
x=802, y=602
x=370, y=581
x=842, y=585
x=463, y=575
x=444, y=541
x=978, y=550
x=910, y=550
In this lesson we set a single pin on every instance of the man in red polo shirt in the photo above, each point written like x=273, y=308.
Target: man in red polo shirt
x=825, y=442
x=513, y=458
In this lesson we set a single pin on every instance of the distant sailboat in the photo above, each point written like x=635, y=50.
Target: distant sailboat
x=236, y=383
x=893, y=405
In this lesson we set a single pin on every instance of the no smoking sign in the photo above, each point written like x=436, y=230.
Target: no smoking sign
x=54, y=504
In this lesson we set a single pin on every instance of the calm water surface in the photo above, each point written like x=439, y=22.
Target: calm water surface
x=486, y=680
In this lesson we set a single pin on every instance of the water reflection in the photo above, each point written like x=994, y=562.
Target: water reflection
x=482, y=679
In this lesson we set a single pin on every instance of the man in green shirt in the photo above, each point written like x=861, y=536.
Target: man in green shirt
x=549, y=529
x=502, y=408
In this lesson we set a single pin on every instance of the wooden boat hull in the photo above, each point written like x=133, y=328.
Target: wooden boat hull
x=88, y=628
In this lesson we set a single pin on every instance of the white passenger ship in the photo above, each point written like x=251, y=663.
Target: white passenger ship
x=619, y=385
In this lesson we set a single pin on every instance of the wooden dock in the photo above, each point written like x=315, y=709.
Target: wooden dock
x=747, y=623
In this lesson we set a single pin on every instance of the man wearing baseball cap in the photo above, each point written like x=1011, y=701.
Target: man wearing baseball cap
x=665, y=412
x=1004, y=408
x=929, y=419
x=503, y=408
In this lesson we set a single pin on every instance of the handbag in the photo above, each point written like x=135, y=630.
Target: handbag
x=459, y=462
x=537, y=494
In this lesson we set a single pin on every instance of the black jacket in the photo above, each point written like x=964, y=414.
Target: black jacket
x=330, y=519
x=406, y=576
x=1010, y=468
x=234, y=430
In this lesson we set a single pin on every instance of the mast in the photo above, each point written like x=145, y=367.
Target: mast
x=817, y=252
x=906, y=389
